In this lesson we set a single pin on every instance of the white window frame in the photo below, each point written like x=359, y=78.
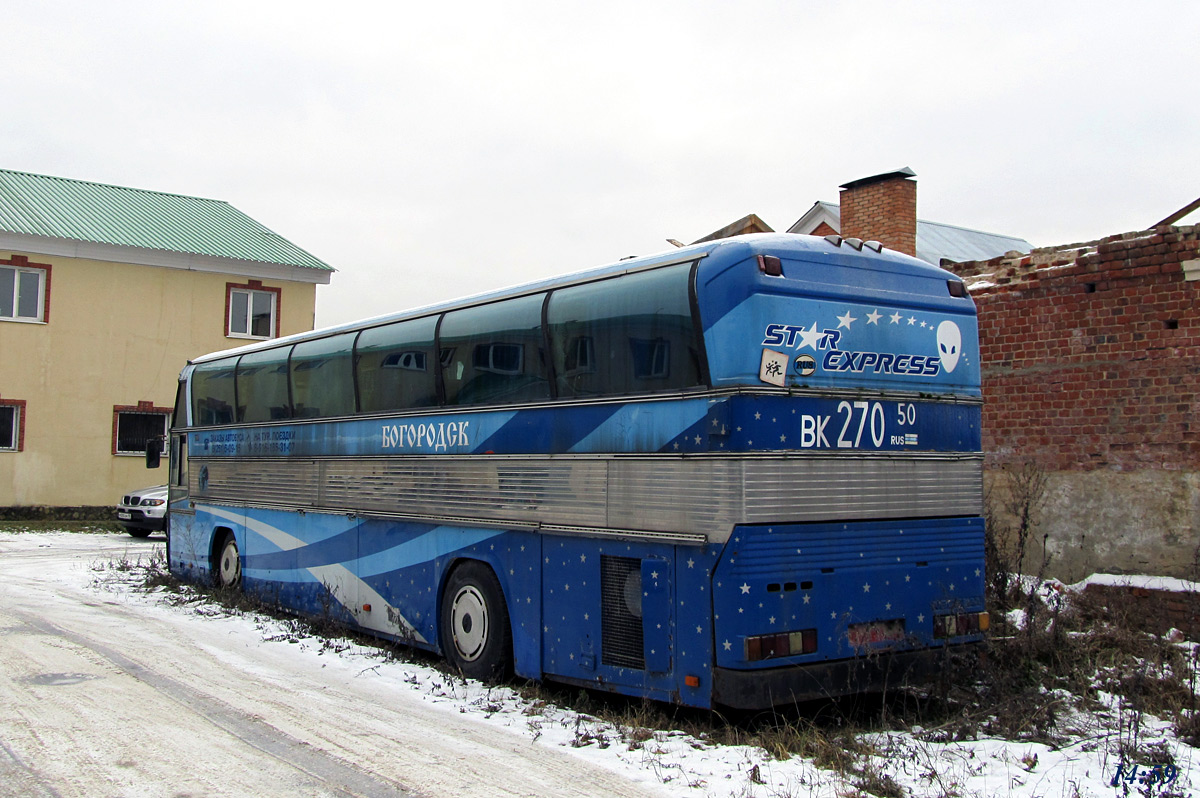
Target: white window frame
x=247, y=323
x=16, y=297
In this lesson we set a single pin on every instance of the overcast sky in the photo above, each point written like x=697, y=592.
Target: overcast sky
x=431, y=150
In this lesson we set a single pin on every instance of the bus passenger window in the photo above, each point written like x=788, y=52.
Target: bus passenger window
x=506, y=362
x=392, y=365
x=262, y=386
x=212, y=393
x=322, y=380
x=627, y=335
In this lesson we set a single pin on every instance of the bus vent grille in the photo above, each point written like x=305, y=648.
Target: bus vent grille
x=621, y=612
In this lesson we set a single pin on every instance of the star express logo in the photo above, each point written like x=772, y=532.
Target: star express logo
x=948, y=339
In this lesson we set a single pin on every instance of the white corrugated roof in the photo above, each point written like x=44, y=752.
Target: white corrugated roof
x=935, y=241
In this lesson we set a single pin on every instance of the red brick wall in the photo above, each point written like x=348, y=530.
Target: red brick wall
x=1154, y=611
x=885, y=211
x=1091, y=353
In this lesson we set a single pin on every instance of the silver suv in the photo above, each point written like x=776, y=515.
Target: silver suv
x=144, y=511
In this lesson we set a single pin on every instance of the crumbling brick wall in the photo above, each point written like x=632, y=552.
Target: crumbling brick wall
x=1091, y=368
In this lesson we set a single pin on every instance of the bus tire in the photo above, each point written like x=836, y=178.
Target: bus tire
x=229, y=563
x=475, y=631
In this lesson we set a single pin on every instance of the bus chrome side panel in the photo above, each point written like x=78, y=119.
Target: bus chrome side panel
x=701, y=497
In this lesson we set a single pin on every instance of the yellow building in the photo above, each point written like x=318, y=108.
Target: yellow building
x=105, y=293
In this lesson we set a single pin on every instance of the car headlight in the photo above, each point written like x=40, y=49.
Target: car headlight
x=153, y=502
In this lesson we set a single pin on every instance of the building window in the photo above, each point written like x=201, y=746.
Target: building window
x=253, y=311
x=136, y=425
x=12, y=425
x=24, y=290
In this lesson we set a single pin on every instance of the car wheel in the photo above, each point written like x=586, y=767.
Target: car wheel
x=476, y=636
x=138, y=533
x=229, y=563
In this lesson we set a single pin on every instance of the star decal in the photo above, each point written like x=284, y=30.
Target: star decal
x=867, y=587
x=873, y=317
x=727, y=645
x=912, y=320
x=810, y=337
x=895, y=317
x=846, y=320
x=745, y=588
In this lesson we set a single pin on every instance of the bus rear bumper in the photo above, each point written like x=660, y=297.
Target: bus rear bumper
x=773, y=687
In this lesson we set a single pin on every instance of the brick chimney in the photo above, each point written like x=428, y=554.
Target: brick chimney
x=882, y=208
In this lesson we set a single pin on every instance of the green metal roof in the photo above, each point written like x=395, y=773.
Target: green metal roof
x=80, y=211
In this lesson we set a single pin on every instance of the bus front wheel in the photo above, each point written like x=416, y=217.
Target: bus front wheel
x=229, y=563
x=475, y=630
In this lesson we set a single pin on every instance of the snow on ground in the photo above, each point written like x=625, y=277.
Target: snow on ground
x=681, y=765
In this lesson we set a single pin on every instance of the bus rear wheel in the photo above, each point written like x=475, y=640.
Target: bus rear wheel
x=475, y=630
x=229, y=563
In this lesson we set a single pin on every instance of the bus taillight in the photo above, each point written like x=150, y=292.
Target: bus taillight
x=785, y=644
x=957, y=625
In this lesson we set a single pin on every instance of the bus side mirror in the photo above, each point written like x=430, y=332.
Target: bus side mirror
x=153, y=453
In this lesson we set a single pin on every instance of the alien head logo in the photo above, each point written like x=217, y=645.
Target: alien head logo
x=949, y=339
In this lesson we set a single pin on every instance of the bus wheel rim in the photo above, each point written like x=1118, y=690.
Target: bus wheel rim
x=469, y=622
x=231, y=565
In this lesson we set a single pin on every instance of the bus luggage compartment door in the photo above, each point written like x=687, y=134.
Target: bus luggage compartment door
x=658, y=632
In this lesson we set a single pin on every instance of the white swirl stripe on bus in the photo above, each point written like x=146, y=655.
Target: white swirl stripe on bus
x=335, y=573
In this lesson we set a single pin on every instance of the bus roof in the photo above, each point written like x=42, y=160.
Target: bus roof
x=720, y=252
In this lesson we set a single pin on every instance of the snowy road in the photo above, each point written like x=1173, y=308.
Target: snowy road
x=102, y=695
x=106, y=690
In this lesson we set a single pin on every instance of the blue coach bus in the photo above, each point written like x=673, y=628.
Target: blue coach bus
x=743, y=473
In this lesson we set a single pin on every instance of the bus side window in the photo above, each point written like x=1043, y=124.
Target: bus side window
x=322, y=381
x=213, y=393
x=493, y=354
x=393, y=364
x=262, y=386
x=631, y=335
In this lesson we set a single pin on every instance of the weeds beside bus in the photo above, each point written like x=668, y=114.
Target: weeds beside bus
x=742, y=473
